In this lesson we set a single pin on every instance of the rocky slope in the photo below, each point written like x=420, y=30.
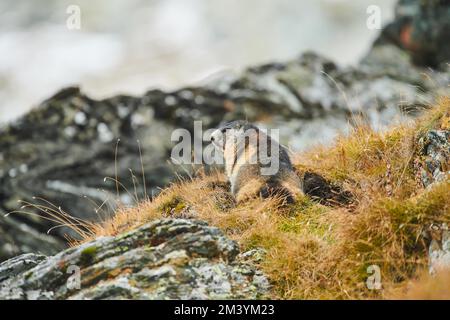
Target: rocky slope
x=63, y=150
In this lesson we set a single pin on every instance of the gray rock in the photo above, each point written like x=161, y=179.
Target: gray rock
x=433, y=168
x=19, y=264
x=17, y=237
x=164, y=259
x=422, y=28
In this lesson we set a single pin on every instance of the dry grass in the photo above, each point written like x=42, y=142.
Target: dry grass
x=320, y=252
x=426, y=287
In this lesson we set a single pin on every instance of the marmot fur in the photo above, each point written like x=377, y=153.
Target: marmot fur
x=255, y=163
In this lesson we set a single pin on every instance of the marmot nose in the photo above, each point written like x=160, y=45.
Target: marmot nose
x=212, y=138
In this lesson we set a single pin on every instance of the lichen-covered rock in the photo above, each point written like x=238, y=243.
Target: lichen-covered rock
x=164, y=259
x=439, y=250
x=434, y=167
x=19, y=264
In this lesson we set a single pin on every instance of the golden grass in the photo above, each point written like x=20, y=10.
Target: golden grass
x=320, y=252
x=425, y=287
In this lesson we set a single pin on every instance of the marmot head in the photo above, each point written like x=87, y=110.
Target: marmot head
x=230, y=131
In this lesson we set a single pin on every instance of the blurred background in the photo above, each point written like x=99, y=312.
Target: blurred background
x=134, y=45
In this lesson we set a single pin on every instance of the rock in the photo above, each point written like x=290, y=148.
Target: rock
x=422, y=28
x=433, y=167
x=164, y=259
x=439, y=250
x=318, y=188
x=254, y=256
x=17, y=237
x=64, y=149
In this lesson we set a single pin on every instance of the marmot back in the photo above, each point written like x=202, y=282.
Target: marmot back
x=255, y=163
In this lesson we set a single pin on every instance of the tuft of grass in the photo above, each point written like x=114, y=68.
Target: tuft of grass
x=173, y=205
